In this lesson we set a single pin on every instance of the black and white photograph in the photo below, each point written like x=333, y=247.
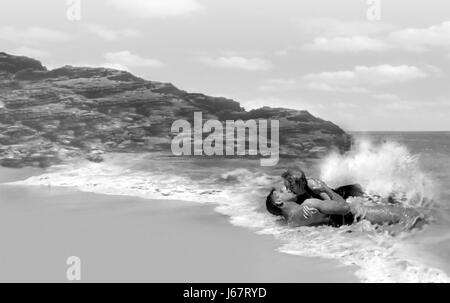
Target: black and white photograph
x=224, y=141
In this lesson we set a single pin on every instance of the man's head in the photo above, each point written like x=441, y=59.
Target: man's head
x=277, y=200
x=272, y=205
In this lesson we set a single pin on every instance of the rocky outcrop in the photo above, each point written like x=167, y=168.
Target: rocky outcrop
x=14, y=64
x=47, y=116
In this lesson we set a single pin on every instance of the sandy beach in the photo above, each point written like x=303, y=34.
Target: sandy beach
x=126, y=239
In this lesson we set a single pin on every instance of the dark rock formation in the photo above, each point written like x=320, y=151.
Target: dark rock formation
x=14, y=64
x=48, y=116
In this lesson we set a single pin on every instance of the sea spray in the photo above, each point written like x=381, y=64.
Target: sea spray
x=385, y=169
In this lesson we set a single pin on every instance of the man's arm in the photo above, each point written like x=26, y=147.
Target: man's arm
x=293, y=213
x=328, y=207
x=323, y=190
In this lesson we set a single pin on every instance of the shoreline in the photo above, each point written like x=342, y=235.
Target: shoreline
x=128, y=239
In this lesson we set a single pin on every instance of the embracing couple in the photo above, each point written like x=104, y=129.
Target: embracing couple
x=310, y=202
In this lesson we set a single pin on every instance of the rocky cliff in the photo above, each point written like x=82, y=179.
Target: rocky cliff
x=47, y=116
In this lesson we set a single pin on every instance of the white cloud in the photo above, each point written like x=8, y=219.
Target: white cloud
x=158, y=8
x=338, y=36
x=236, y=62
x=32, y=35
x=322, y=86
x=278, y=84
x=333, y=35
x=30, y=52
x=112, y=65
x=331, y=28
x=352, y=44
x=125, y=60
x=360, y=77
x=422, y=39
x=112, y=35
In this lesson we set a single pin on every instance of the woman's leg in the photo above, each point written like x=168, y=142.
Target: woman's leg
x=386, y=214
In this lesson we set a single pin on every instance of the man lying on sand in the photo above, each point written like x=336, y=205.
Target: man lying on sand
x=310, y=202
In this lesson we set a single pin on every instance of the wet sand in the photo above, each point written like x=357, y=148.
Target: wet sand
x=127, y=239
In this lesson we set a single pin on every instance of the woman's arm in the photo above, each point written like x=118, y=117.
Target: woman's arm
x=328, y=207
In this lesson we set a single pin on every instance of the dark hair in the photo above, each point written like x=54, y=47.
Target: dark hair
x=271, y=206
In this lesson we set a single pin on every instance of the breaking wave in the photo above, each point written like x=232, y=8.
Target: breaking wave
x=386, y=170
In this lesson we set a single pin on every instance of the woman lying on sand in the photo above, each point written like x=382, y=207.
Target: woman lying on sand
x=310, y=202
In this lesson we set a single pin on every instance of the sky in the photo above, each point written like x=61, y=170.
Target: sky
x=366, y=65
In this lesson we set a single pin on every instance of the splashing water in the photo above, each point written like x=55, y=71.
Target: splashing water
x=385, y=169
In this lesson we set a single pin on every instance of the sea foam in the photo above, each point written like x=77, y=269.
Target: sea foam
x=239, y=193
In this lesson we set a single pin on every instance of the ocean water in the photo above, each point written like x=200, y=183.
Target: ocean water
x=416, y=166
